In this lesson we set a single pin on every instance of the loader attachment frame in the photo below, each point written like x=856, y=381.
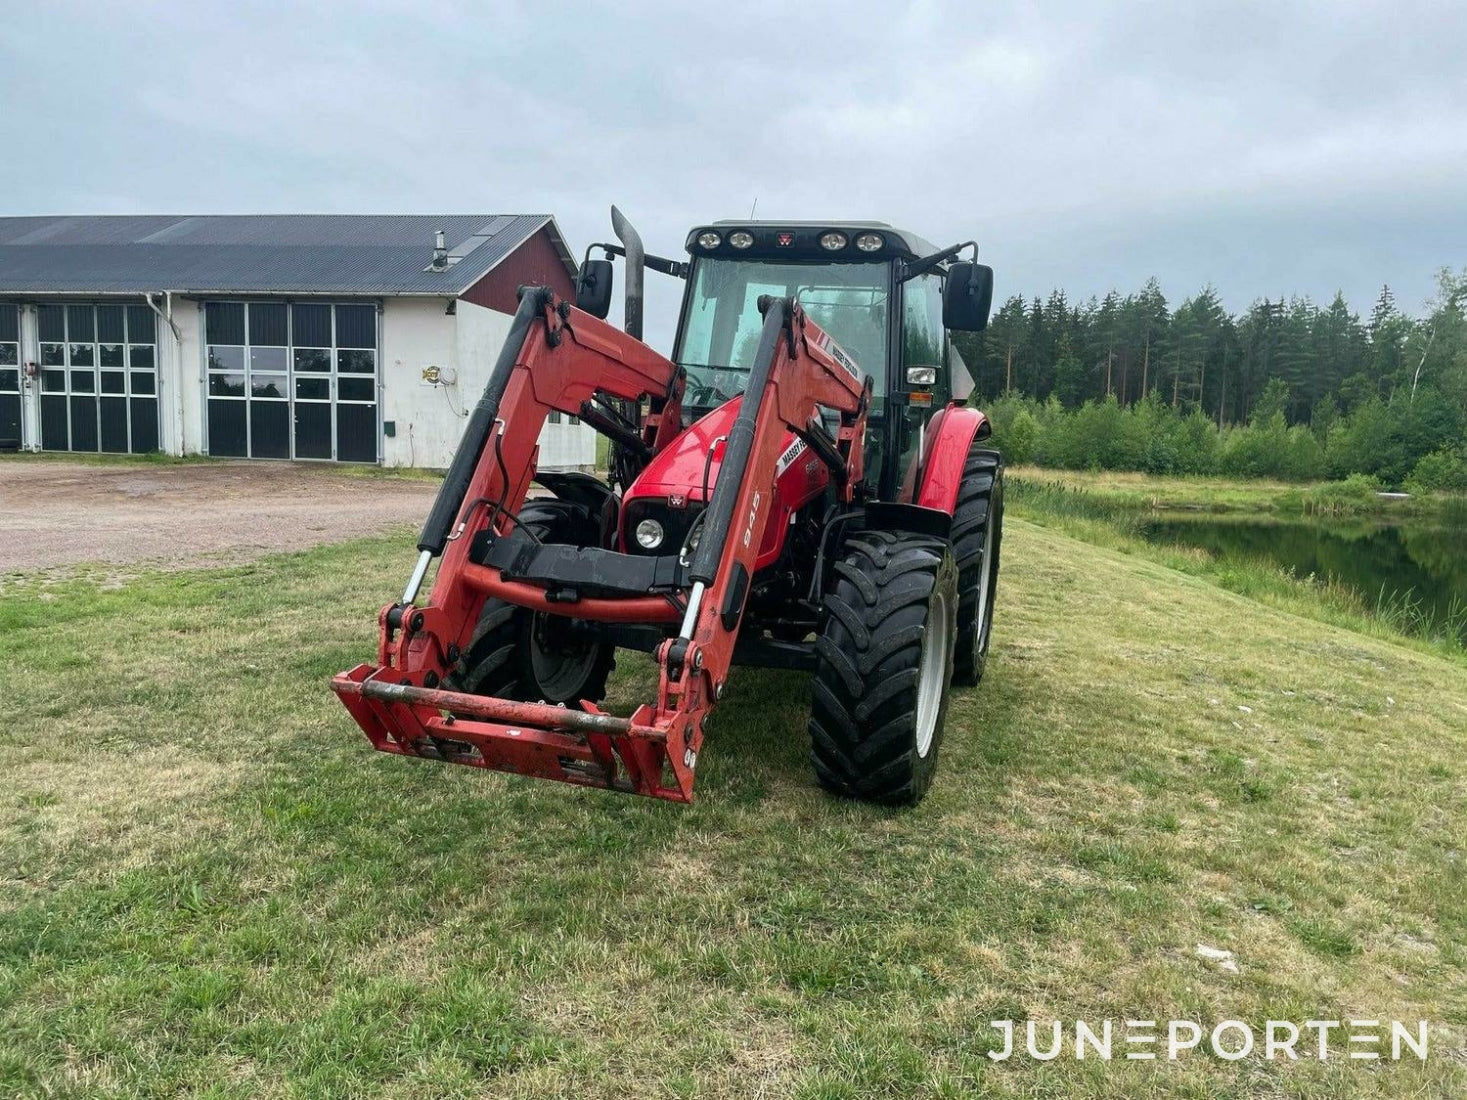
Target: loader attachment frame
x=557, y=357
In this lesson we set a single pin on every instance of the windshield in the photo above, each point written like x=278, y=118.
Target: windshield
x=721, y=328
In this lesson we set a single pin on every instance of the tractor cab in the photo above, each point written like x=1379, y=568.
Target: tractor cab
x=876, y=290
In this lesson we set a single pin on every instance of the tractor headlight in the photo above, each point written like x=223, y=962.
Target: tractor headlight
x=832, y=241
x=740, y=239
x=649, y=534
x=921, y=376
x=709, y=240
x=870, y=242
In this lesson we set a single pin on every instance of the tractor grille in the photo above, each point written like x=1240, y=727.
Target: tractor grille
x=676, y=522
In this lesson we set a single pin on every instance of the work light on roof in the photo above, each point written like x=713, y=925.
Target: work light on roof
x=870, y=242
x=709, y=239
x=832, y=241
x=740, y=239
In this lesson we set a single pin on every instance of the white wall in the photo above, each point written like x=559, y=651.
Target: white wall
x=182, y=387
x=481, y=333
x=418, y=335
x=30, y=387
x=567, y=446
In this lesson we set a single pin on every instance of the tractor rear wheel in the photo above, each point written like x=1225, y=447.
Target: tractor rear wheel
x=528, y=655
x=884, y=660
x=977, y=536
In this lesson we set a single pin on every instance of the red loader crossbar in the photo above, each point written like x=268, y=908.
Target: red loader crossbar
x=550, y=742
x=557, y=357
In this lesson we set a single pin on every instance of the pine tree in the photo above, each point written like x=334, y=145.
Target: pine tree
x=1070, y=374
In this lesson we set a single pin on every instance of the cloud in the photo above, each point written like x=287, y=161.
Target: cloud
x=1266, y=148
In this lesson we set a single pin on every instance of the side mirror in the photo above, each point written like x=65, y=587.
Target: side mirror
x=967, y=297
x=593, y=288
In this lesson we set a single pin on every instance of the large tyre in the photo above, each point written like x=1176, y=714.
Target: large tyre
x=527, y=655
x=884, y=660
x=977, y=537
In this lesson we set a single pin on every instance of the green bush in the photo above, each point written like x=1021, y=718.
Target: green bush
x=1018, y=442
x=1388, y=440
x=1357, y=493
x=1198, y=445
x=1441, y=471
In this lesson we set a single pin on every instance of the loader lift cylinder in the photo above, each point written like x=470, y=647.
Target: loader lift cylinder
x=450, y=499
x=704, y=566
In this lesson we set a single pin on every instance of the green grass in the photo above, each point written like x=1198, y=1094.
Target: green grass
x=209, y=884
x=151, y=458
x=157, y=458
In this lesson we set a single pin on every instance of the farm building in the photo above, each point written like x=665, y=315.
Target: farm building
x=347, y=338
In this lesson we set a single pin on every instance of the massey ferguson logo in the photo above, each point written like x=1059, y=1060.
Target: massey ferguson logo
x=838, y=353
x=787, y=459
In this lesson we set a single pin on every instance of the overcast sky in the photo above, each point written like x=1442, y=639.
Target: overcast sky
x=1266, y=148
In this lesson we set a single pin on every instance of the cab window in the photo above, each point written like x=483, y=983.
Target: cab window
x=721, y=323
x=923, y=345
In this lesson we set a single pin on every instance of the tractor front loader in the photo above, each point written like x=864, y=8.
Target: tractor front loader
x=729, y=539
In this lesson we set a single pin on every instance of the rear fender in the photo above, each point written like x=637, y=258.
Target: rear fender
x=936, y=475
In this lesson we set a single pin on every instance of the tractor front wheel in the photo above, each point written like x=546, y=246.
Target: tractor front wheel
x=884, y=661
x=528, y=655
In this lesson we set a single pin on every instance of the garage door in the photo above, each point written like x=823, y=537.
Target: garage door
x=9, y=377
x=292, y=380
x=99, y=378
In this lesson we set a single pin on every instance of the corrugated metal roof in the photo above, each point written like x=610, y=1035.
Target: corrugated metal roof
x=367, y=254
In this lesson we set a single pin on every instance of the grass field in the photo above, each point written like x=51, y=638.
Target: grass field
x=209, y=885
x=1211, y=494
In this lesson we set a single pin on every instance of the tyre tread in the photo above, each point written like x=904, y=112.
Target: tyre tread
x=863, y=710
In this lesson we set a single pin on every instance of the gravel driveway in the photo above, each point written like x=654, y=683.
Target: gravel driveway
x=63, y=513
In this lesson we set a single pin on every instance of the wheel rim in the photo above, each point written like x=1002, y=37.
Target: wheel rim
x=985, y=583
x=936, y=642
x=560, y=666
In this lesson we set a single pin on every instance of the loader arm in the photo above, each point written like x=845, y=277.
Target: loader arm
x=558, y=358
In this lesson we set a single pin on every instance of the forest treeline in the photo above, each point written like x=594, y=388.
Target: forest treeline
x=1285, y=389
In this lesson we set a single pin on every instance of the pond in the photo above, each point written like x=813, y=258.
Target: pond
x=1418, y=565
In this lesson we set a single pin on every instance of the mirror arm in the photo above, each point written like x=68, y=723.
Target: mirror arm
x=656, y=263
x=927, y=263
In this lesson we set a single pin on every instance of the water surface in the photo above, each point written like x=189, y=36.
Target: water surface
x=1423, y=563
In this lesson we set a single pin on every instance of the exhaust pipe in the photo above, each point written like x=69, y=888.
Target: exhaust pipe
x=636, y=260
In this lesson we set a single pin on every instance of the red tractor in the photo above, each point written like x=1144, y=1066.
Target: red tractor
x=800, y=486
